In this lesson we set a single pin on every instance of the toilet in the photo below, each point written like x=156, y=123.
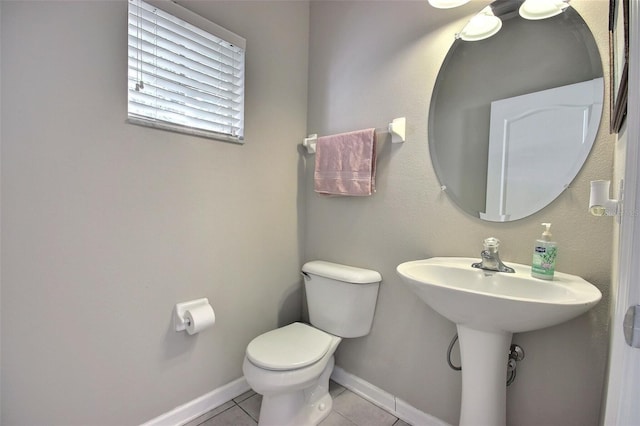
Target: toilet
x=290, y=366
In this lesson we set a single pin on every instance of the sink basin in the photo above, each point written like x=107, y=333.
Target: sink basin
x=488, y=307
x=497, y=301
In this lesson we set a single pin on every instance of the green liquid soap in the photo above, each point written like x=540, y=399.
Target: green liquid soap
x=545, y=252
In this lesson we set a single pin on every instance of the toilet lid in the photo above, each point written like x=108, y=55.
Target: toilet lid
x=293, y=346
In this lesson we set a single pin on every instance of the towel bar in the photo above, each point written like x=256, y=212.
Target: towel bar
x=397, y=128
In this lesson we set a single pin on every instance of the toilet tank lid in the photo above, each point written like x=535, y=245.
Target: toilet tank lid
x=335, y=271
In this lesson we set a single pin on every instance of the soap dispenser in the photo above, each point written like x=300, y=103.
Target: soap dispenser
x=544, y=255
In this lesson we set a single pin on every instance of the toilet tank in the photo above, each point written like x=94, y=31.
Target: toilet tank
x=341, y=298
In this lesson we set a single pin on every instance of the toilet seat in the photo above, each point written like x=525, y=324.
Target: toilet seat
x=291, y=347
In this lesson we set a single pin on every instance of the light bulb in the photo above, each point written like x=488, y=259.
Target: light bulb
x=447, y=4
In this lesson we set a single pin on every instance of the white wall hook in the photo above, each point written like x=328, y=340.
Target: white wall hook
x=310, y=143
x=398, y=129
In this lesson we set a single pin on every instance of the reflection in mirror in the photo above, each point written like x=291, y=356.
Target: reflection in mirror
x=513, y=117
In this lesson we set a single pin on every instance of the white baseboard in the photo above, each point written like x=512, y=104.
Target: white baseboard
x=385, y=400
x=192, y=409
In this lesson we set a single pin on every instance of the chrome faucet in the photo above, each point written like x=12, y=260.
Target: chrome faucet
x=490, y=258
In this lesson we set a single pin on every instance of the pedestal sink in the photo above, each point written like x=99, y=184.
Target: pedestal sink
x=488, y=307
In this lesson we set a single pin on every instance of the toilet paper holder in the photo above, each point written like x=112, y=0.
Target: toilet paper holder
x=180, y=322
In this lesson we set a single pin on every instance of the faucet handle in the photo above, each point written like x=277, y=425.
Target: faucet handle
x=491, y=243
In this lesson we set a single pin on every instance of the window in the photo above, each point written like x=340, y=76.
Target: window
x=186, y=73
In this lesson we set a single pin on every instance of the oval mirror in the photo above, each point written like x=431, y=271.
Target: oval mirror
x=514, y=116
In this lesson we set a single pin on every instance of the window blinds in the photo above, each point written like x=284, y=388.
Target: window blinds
x=182, y=77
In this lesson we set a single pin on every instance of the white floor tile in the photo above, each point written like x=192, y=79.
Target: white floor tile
x=336, y=419
x=361, y=411
x=349, y=409
x=252, y=406
x=234, y=416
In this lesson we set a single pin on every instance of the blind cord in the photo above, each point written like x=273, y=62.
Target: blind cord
x=140, y=83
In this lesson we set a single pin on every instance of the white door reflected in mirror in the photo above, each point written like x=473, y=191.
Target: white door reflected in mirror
x=546, y=132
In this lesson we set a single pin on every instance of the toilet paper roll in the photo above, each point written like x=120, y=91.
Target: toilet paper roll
x=198, y=318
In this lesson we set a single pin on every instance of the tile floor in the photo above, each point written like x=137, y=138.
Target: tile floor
x=349, y=409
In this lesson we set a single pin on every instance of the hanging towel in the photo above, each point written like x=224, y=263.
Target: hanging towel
x=346, y=163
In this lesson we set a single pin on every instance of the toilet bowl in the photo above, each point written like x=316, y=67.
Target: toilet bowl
x=291, y=366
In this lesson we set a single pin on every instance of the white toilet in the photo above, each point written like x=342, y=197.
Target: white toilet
x=291, y=366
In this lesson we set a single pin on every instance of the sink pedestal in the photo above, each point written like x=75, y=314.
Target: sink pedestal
x=483, y=356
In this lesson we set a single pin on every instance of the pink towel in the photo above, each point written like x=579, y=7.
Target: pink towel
x=346, y=163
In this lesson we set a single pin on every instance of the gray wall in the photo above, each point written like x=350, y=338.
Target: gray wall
x=106, y=225
x=371, y=62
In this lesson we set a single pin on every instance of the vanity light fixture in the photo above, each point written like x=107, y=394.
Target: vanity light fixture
x=542, y=9
x=599, y=202
x=480, y=27
x=447, y=4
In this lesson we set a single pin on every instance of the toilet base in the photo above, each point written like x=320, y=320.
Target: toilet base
x=305, y=407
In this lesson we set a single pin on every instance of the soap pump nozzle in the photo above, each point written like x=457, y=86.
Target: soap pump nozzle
x=546, y=235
